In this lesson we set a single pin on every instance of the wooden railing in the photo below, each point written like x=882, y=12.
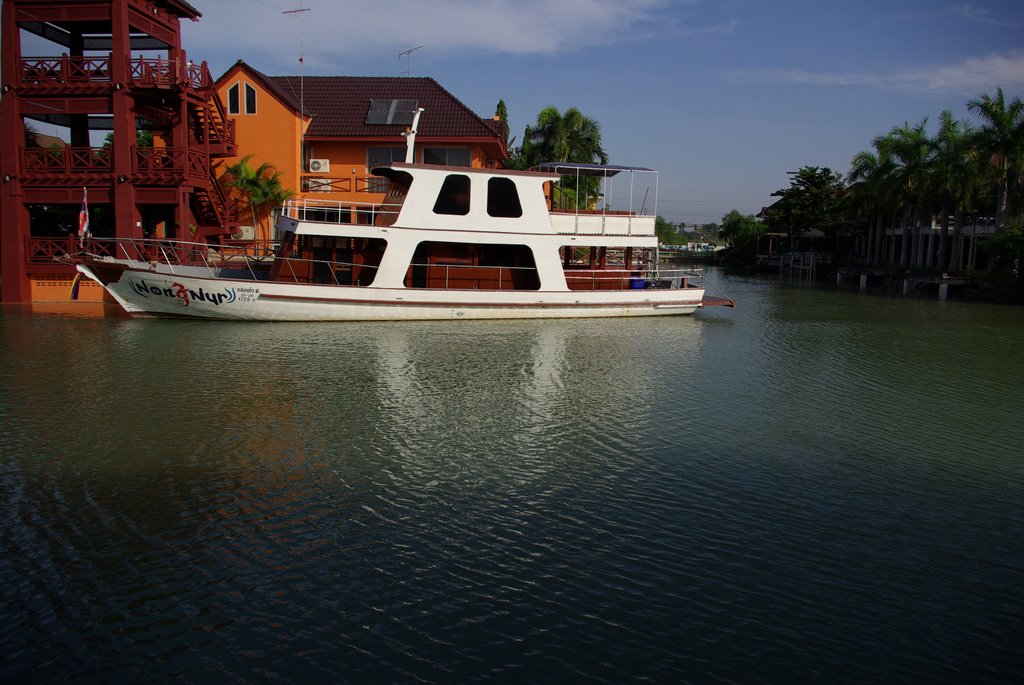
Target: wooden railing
x=65, y=69
x=344, y=184
x=142, y=71
x=67, y=159
x=170, y=160
x=48, y=250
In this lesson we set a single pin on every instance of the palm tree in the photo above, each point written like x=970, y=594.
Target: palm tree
x=260, y=189
x=871, y=181
x=1003, y=141
x=909, y=147
x=954, y=176
x=570, y=137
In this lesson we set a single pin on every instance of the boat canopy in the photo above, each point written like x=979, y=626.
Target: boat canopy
x=583, y=169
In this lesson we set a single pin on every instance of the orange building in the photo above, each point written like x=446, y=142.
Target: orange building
x=325, y=133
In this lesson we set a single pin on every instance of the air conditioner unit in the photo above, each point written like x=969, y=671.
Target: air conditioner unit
x=319, y=165
x=244, y=233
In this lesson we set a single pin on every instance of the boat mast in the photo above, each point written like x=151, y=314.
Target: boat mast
x=410, y=137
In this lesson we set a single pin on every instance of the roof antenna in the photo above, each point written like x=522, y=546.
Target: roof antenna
x=302, y=65
x=407, y=54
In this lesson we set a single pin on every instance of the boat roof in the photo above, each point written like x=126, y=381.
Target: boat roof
x=584, y=169
x=387, y=170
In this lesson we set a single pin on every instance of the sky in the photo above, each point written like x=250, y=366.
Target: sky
x=722, y=97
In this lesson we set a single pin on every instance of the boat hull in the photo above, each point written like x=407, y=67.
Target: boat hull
x=143, y=292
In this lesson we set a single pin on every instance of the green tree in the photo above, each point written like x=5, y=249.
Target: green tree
x=954, y=176
x=871, y=196
x=1002, y=139
x=143, y=138
x=501, y=114
x=814, y=199
x=258, y=188
x=910, y=148
x=666, y=232
x=569, y=137
x=31, y=136
x=558, y=137
x=740, y=231
x=1004, y=253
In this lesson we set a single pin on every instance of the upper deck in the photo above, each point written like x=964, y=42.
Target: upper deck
x=557, y=199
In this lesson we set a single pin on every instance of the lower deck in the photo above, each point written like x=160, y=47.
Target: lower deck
x=441, y=265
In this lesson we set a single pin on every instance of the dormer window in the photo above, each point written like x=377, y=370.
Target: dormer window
x=250, y=99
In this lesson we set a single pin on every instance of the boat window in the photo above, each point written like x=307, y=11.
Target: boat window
x=454, y=196
x=503, y=198
x=466, y=266
x=332, y=261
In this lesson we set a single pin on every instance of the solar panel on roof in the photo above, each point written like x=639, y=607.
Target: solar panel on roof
x=395, y=112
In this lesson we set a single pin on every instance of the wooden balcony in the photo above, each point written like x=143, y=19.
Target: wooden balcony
x=55, y=74
x=150, y=165
x=54, y=163
x=64, y=72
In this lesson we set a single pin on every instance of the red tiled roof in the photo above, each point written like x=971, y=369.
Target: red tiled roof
x=338, y=105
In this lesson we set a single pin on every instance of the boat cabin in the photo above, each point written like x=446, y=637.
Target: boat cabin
x=453, y=228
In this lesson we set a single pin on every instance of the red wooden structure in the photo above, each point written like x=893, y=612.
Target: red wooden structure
x=118, y=66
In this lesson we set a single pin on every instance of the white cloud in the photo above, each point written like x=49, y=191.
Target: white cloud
x=388, y=26
x=981, y=15
x=969, y=75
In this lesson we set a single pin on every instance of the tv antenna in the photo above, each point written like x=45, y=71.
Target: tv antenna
x=407, y=54
x=302, y=61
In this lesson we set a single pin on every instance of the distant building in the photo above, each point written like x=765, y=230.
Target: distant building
x=115, y=67
x=325, y=133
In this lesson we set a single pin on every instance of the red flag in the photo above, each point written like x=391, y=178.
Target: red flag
x=83, y=215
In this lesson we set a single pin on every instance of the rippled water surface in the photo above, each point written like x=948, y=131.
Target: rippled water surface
x=818, y=486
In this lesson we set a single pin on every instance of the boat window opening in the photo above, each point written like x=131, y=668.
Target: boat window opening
x=454, y=196
x=250, y=99
x=328, y=215
x=379, y=156
x=287, y=245
x=233, y=99
x=332, y=261
x=466, y=266
x=397, y=191
x=604, y=268
x=447, y=156
x=503, y=198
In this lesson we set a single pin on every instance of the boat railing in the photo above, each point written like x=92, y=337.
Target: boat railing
x=601, y=223
x=633, y=279
x=341, y=212
x=493, y=276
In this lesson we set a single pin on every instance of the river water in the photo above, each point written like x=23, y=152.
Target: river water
x=817, y=486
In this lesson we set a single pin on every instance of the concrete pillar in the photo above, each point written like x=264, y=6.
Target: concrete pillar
x=943, y=291
x=906, y=286
x=864, y=282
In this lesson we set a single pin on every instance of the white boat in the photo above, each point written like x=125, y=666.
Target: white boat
x=445, y=243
